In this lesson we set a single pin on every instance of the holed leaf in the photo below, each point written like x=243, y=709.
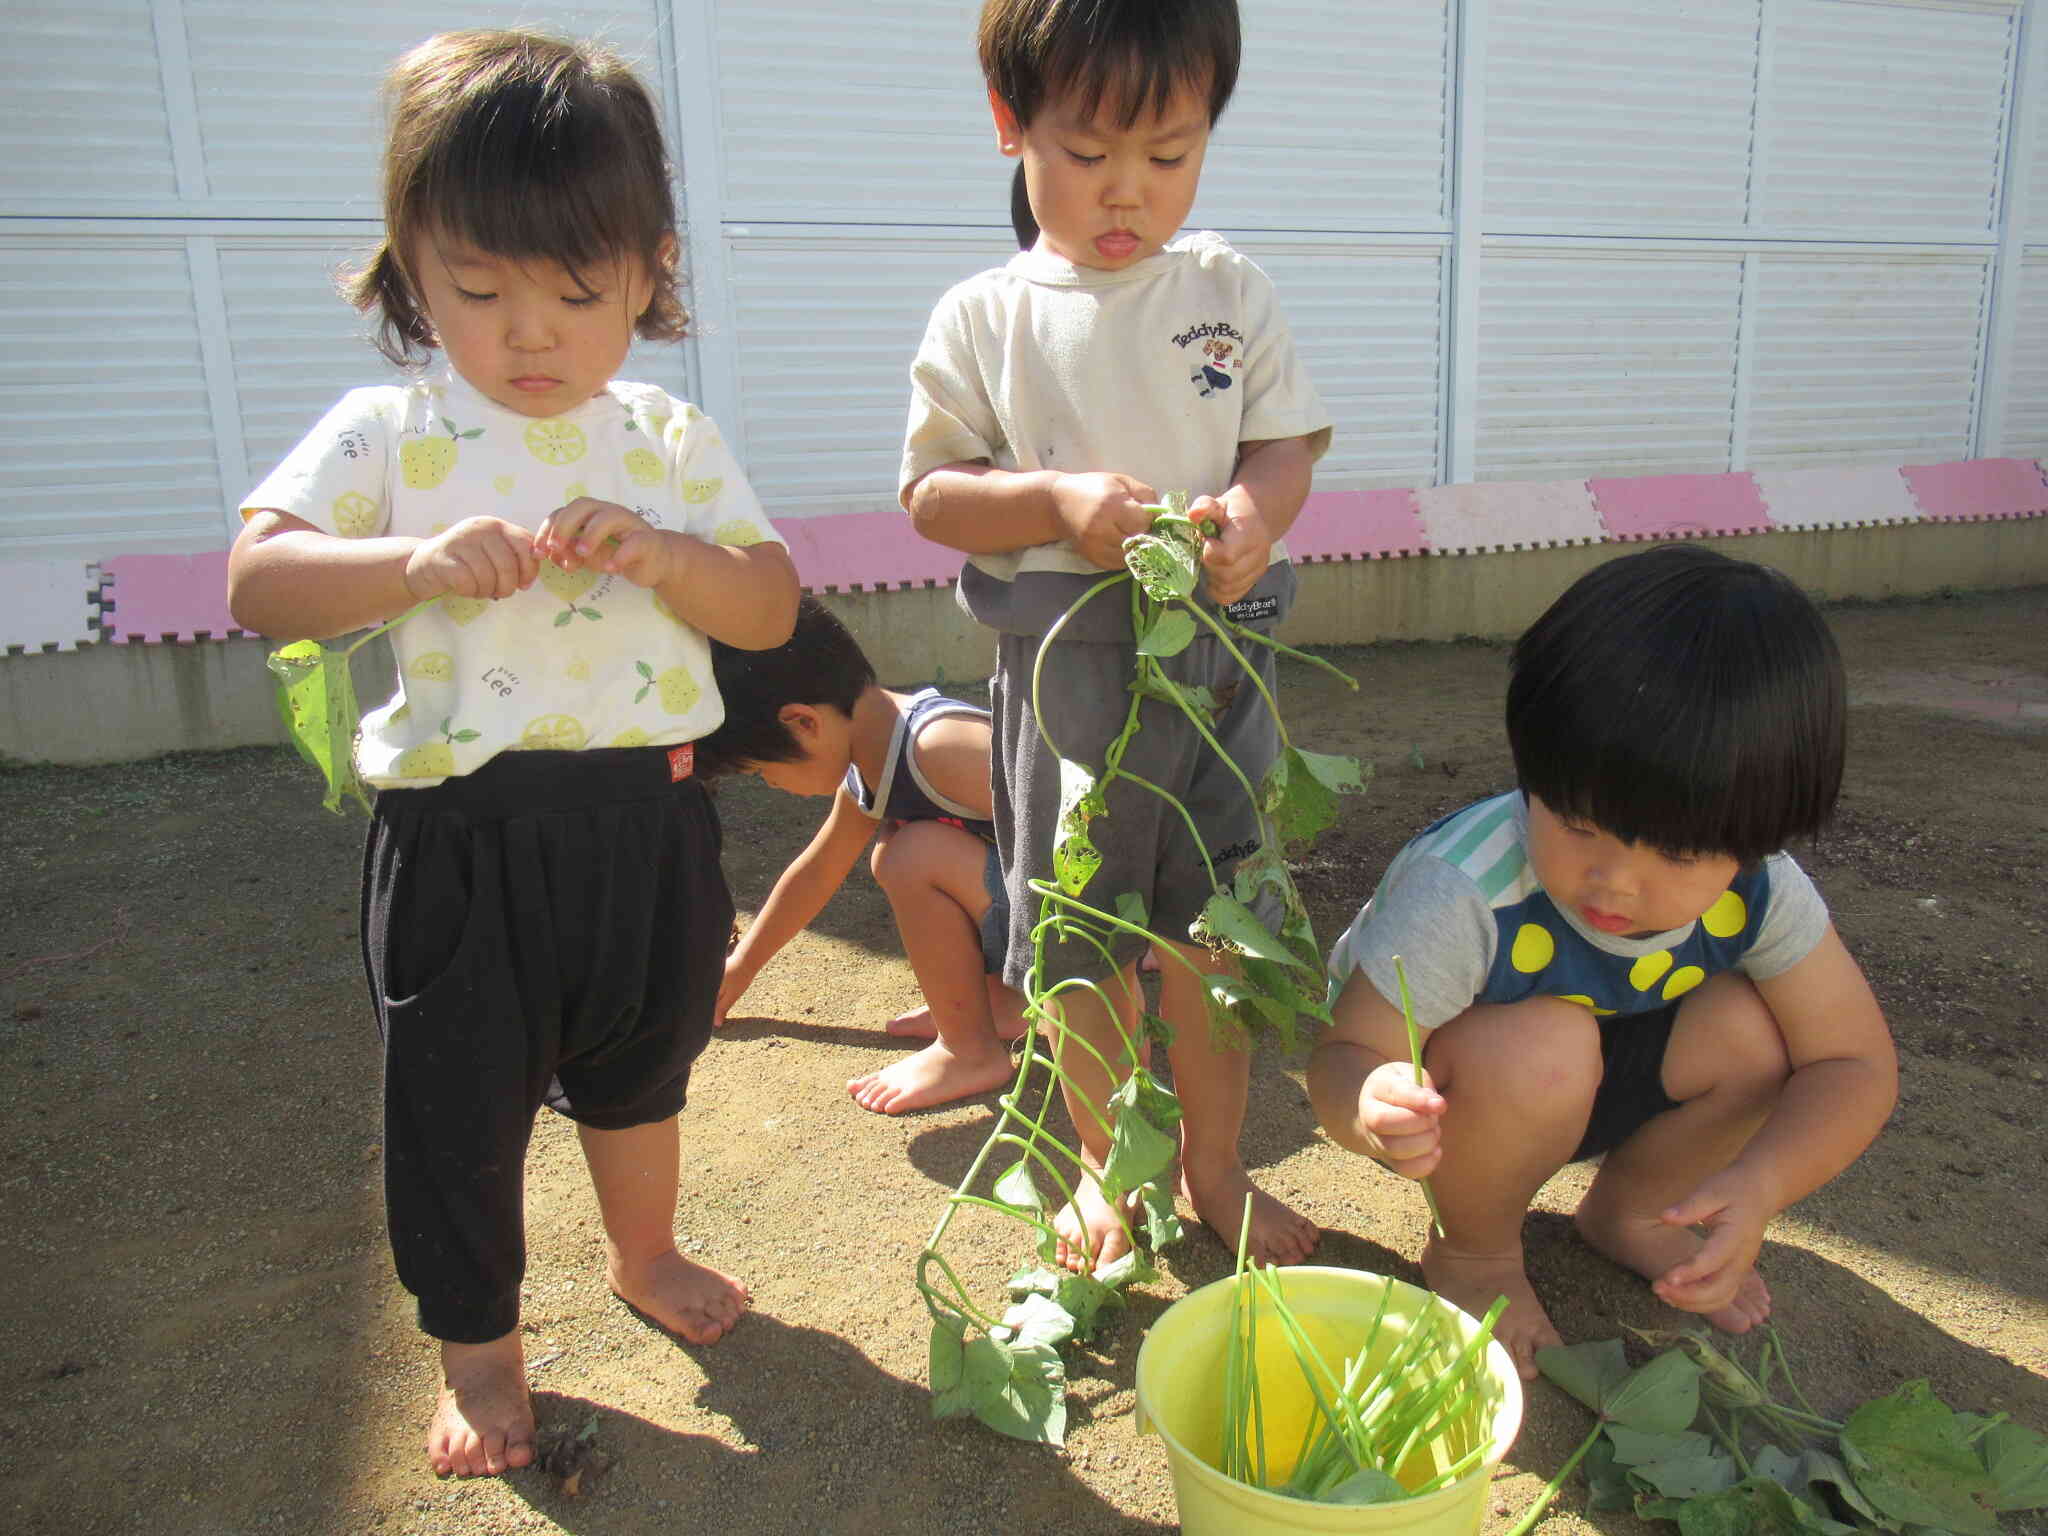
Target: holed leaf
x=316, y=698
x=1909, y=1456
x=1074, y=856
x=1227, y=923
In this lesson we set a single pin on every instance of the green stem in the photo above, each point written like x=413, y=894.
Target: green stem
x=1250, y=671
x=413, y=611
x=1244, y=633
x=1436, y=1220
x=1550, y=1489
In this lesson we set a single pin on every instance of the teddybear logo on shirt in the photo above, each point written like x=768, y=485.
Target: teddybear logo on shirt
x=1221, y=345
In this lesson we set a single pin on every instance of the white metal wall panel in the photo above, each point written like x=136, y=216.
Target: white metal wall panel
x=1367, y=321
x=85, y=119
x=1338, y=123
x=296, y=345
x=1605, y=362
x=1610, y=114
x=288, y=91
x=110, y=440
x=828, y=322
x=863, y=114
x=1884, y=120
x=1865, y=359
x=2026, y=410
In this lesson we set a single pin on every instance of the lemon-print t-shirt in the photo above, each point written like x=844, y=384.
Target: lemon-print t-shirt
x=1463, y=908
x=579, y=659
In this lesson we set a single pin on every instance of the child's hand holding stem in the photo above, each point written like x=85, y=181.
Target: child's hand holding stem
x=483, y=557
x=1099, y=511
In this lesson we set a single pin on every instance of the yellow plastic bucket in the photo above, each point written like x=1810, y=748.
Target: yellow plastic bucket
x=1180, y=1398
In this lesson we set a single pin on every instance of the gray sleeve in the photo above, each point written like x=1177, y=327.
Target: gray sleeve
x=1434, y=918
x=1794, y=922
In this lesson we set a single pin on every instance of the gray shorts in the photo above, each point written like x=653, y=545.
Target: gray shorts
x=1145, y=844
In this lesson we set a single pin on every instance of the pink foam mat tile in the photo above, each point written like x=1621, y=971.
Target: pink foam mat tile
x=871, y=550
x=1357, y=525
x=1861, y=497
x=1973, y=490
x=47, y=605
x=1482, y=516
x=158, y=598
x=1680, y=506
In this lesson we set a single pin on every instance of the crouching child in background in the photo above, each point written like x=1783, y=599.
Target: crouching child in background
x=911, y=773
x=1618, y=958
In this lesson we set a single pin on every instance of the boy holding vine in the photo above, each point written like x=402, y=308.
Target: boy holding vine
x=1053, y=399
x=1618, y=958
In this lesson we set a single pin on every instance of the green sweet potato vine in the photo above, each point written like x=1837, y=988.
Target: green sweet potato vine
x=1695, y=1437
x=1002, y=1363
x=316, y=699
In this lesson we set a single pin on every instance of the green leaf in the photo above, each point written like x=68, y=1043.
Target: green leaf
x=1607, y=1481
x=948, y=1360
x=1633, y=1447
x=1037, y=1320
x=644, y=670
x=1662, y=1396
x=1131, y=908
x=1162, y=1221
x=1017, y=1390
x=465, y=734
x=1909, y=1457
x=1820, y=1480
x=316, y=699
x=562, y=618
x=1368, y=1485
x=1167, y=635
x=1684, y=1477
x=1227, y=923
x=1587, y=1371
x=1131, y=1268
x=1138, y=1153
x=2017, y=1460
x=1756, y=1506
x=1017, y=1190
x=1150, y=685
x=1082, y=1297
x=1149, y=1097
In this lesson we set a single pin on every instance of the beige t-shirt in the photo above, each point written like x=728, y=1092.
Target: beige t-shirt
x=579, y=659
x=1159, y=371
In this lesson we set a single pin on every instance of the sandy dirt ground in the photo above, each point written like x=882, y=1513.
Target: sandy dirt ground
x=204, y=1334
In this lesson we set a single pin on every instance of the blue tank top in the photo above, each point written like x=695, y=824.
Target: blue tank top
x=904, y=794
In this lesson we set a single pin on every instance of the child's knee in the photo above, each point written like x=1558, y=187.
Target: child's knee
x=1541, y=1056
x=1726, y=1040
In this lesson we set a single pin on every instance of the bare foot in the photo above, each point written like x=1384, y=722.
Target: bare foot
x=672, y=1292
x=1090, y=1235
x=935, y=1075
x=1652, y=1247
x=1004, y=1006
x=483, y=1419
x=1472, y=1282
x=1280, y=1234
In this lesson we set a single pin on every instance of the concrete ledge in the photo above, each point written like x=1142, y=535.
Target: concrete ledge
x=114, y=702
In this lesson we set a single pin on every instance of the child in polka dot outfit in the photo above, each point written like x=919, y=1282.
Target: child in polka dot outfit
x=1617, y=957
x=544, y=915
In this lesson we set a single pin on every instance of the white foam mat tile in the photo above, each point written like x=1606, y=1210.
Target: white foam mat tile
x=1473, y=518
x=48, y=605
x=1863, y=497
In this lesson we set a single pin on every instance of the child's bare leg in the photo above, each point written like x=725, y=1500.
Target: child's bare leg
x=1519, y=1080
x=932, y=874
x=1212, y=1081
x=1725, y=1065
x=1004, y=1006
x=635, y=1174
x=483, y=1419
x=1091, y=1229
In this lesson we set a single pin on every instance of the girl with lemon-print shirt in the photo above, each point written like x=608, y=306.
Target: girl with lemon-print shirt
x=544, y=915
x=1617, y=959
x=583, y=656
